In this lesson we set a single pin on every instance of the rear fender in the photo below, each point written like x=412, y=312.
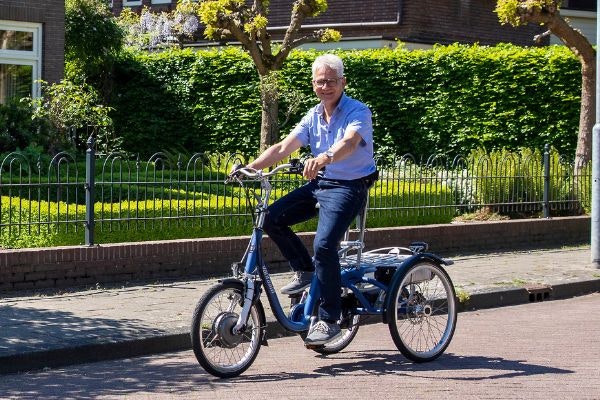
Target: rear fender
x=401, y=271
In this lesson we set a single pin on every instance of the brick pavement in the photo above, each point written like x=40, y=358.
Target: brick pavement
x=89, y=325
x=545, y=350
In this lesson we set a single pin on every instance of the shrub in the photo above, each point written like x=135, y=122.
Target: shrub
x=446, y=100
x=217, y=214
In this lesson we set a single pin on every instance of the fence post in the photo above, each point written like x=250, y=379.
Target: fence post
x=90, y=173
x=546, y=200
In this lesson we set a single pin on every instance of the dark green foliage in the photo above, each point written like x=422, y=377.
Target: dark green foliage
x=182, y=100
x=452, y=99
x=16, y=127
x=447, y=100
x=92, y=36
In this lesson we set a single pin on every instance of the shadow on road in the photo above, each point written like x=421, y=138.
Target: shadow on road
x=25, y=329
x=380, y=363
x=162, y=374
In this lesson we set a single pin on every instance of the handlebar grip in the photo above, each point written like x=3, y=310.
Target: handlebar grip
x=296, y=166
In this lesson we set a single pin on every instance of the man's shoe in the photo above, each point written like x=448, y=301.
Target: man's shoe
x=322, y=332
x=300, y=282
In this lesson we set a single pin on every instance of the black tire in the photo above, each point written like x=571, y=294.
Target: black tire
x=217, y=349
x=422, y=314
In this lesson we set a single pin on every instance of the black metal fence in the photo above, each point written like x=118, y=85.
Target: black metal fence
x=117, y=191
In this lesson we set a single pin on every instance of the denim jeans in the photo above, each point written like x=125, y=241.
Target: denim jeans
x=339, y=203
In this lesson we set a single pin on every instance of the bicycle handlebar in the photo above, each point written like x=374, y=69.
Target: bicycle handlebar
x=294, y=166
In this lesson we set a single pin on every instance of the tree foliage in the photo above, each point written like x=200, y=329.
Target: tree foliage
x=92, y=36
x=247, y=23
x=547, y=13
x=74, y=112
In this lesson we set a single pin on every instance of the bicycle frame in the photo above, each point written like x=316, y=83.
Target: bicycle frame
x=255, y=267
x=408, y=288
x=353, y=273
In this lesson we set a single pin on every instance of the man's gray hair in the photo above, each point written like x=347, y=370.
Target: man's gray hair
x=330, y=61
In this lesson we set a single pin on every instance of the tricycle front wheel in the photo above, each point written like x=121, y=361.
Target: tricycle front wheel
x=219, y=350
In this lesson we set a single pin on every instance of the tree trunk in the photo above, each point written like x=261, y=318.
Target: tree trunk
x=581, y=47
x=583, y=154
x=269, y=128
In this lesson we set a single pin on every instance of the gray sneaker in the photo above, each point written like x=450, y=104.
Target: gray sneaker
x=322, y=332
x=300, y=282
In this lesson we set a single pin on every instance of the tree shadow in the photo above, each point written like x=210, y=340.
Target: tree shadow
x=28, y=329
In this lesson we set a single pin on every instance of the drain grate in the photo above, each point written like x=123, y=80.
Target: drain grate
x=538, y=293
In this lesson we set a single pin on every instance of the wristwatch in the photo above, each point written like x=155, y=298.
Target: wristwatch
x=329, y=155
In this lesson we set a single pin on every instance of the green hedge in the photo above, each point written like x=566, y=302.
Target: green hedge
x=43, y=224
x=449, y=99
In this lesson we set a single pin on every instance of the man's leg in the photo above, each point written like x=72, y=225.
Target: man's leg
x=339, y=205
x=295, y=207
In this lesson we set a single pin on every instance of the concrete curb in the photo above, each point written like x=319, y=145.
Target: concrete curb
x=178, y=341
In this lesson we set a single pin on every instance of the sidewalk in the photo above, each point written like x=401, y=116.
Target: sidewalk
x=38, y=331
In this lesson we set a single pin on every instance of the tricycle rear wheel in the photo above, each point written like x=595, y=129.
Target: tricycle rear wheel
x=422, y=314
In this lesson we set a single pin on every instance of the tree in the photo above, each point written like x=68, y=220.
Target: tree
x=247, y=23
x=93, y=40
x=547, y=13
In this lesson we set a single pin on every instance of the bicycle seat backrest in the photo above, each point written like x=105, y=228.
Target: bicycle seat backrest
x=346, y=244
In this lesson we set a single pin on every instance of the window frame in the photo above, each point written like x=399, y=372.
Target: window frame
x=32, y=57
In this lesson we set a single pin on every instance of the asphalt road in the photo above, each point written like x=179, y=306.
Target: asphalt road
x=544, y=350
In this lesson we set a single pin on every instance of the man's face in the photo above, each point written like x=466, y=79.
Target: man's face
x=327, y=85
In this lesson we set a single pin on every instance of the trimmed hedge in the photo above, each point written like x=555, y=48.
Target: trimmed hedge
x=42, y=224
x=446, y=100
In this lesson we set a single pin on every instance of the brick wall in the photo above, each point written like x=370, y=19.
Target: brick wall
x=51, y=14
x=422, y=21
x=180, y=259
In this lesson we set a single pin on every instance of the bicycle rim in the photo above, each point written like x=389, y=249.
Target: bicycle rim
x=423, y=317
x=217, y=349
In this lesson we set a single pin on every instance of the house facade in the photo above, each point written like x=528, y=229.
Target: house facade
x=417, y=23
x=32, y=41
x=582, y=15
x=381, y=23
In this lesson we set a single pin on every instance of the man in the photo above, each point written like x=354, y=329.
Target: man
x=340, y=134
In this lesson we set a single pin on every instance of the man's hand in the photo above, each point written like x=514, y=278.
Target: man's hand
x=234, y=170
x=312, y=166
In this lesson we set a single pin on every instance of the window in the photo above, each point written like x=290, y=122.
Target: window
x=161, y=1
x=20, y=59
x=129, y=3
x=583, y=5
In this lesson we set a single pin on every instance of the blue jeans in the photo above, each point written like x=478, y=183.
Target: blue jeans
x=340, y=202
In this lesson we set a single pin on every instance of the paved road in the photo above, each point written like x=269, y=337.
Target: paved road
x=544, y=350
x=59, y=329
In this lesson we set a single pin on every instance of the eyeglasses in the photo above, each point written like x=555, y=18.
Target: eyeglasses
x=329, y=82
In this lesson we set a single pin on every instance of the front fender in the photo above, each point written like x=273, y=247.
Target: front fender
x=257, y=303
x=401, y=271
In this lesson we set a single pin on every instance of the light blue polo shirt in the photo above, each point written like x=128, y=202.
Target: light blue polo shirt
x=350, y=114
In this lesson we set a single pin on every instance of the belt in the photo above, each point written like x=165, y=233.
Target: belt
x=368, y=180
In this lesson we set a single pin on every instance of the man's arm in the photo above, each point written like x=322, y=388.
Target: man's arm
x=276, y=153
x=341, y=150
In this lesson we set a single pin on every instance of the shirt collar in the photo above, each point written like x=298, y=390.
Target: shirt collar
x=343, y=99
